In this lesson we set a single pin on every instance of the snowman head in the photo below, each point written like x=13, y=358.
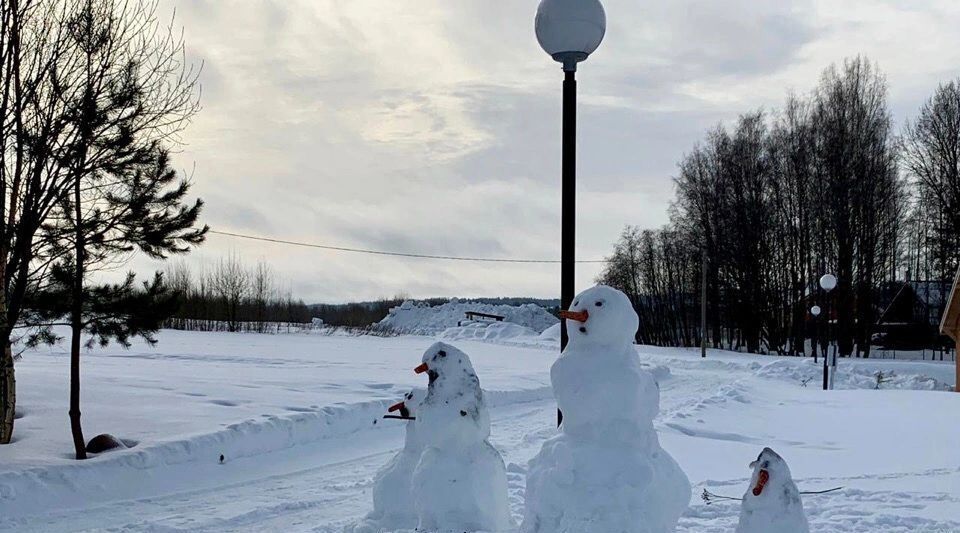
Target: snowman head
x=444, y=362
x=407, y=407
x=769, y=472
x=601, y=315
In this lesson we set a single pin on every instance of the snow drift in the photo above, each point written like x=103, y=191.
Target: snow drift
x=422, y=319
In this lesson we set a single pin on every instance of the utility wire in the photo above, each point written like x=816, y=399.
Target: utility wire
x=393, y=254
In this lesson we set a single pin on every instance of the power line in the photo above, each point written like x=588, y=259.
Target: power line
x=393, y=254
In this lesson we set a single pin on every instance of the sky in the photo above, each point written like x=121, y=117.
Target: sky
x=433, y=126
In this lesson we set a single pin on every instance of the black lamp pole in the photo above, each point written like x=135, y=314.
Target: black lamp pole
x=568, y=206
x=568, y=202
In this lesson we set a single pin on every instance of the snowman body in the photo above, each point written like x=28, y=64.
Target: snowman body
x=772, y=502
x=605, y=470
x=460, y=482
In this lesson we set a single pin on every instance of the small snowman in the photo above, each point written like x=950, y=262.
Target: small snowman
x=460, y=482
x=392, y=499
x=772, y=502
x=605, y=470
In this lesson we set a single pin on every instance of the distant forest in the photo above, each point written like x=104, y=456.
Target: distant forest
x=769, y=203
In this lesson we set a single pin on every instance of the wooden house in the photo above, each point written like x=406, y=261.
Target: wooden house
x=950, y=323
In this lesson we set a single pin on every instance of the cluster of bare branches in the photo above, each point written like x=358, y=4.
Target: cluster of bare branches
x=770, y=204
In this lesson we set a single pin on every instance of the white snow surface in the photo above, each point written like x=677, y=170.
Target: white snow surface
x=606, y=470
x=422, y=319
x=295, y=415
x=772, y=502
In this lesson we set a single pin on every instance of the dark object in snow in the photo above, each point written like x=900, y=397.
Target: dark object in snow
x=105, y=443
x=399, y=417
x=883, y=378
x=221, y=458
x=803, y=382
x=474, y=315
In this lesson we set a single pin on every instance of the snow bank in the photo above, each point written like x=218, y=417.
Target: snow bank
x=112, y=476
x=491, y=332
x=421, y=319
x=863, y=373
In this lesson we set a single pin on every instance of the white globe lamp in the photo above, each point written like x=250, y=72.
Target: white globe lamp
x=815, y=310
x=828, y=282
x=570, y=30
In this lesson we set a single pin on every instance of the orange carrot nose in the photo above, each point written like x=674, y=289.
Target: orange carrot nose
x=762, y=479
x=396, y=407
x=422, y=368
x=579, y=316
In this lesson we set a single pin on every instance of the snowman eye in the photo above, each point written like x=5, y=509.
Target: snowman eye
x=576, y=302
x=599, y=304
x=442, y=353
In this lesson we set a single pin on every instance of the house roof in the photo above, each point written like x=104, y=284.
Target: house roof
x=950, y=324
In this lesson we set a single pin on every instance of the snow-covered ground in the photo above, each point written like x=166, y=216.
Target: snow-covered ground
x=297, y=418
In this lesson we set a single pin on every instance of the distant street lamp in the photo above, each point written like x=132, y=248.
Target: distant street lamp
x=815, y=311
x=569, y=30
x=828, y=282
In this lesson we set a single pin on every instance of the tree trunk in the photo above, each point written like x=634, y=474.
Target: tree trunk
x=76, y=325
x=8, y=394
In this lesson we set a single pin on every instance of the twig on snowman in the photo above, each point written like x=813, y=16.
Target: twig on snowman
x=709, y=497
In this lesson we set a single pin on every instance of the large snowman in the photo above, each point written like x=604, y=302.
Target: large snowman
x=392, y=498
x=460, y=482
x=772, y=502
x=605, y=470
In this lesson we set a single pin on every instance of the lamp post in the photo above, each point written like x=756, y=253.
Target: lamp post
x=815, y=311
x=828, y=282
x=569, y=31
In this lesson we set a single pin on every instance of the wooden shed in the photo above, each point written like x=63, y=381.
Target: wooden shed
x=950, y=324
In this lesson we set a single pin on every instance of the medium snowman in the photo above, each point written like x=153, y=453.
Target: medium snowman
x=460, y=482
x=605, y=470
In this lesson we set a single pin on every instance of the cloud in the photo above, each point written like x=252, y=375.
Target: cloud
x=434, y=126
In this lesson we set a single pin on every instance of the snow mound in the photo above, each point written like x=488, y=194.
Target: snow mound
x=863, y=374
x=422, y=319
x=496, y=331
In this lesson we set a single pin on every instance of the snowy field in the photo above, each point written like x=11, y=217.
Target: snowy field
x=297, y=418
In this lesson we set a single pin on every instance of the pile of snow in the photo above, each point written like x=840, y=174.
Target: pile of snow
x=422, y=319
x=490, y=332
x=864, y=373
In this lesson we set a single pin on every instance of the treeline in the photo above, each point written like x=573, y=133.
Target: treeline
x=233, y=296
x=357, y=314
x=777, y=199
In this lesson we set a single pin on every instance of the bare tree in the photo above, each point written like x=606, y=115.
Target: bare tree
x=931, y=156
x=231, y=282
